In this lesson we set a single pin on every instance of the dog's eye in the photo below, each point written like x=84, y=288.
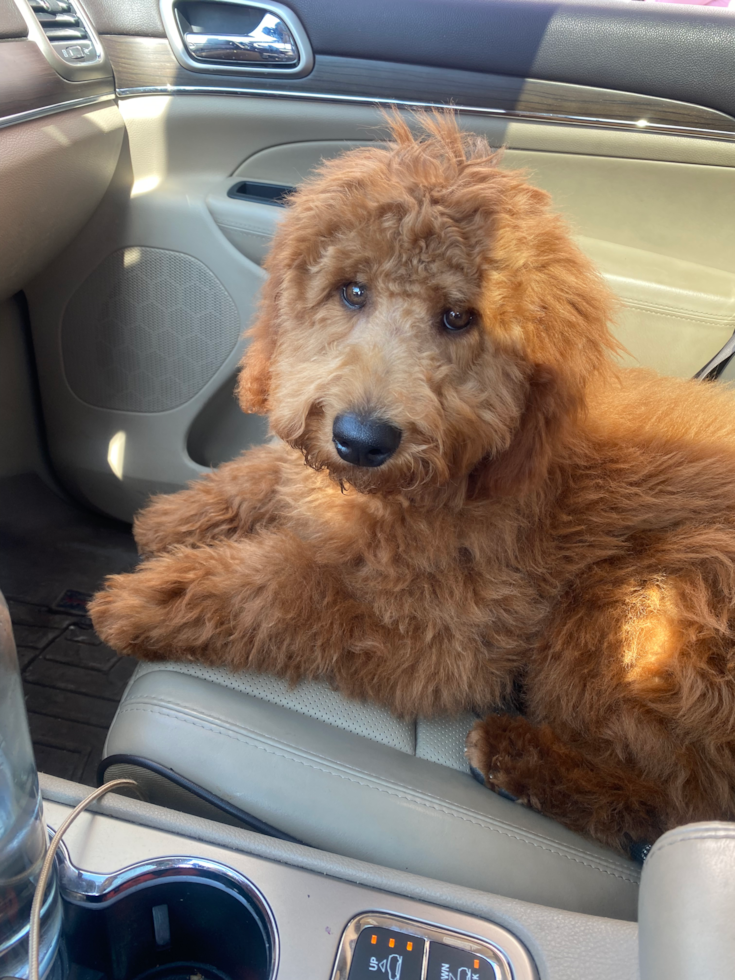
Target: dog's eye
x=455, y=320
x=354, y=295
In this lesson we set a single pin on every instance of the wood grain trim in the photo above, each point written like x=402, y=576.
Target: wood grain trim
x=27, y=81
x=150, y=63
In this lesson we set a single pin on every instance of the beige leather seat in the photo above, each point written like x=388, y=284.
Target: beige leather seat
x=687, y=905
x=350, y=778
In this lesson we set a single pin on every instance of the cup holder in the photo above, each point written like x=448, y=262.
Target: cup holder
x=166, y=919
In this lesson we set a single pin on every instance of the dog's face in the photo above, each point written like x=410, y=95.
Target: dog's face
x=426, y=320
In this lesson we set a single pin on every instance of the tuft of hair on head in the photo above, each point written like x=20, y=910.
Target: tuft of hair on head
x=437, y=133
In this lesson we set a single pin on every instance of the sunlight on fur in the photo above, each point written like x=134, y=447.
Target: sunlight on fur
x=651, y=638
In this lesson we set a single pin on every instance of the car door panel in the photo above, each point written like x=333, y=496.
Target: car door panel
x=148, y=66
x=607, y=44
x=59, y=145
x=646, y=202
x=48, y=125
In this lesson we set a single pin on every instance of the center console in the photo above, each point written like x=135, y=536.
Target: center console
x=177, y=918
x=155, y=894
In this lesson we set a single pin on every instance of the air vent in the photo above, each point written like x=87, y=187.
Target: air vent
x=66, y=30
x=66, y=36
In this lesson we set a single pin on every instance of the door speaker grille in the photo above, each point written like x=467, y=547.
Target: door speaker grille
x=146, y=331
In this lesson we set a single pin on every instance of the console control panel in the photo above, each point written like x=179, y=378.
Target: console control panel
x=380, y=946
x=387, y=953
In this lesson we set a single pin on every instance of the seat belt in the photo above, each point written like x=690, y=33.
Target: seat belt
x=714, y=368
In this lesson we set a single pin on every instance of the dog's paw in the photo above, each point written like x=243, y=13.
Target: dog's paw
x=132, y=614
x=120, y=614
x=495, y=754
x=477, y=752
x=167, y=608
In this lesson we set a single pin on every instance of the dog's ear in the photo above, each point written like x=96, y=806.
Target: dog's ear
x=551, y=405
x=253, y=386
x=254, y=381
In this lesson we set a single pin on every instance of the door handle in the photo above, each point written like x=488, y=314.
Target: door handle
x=270, y=43
x=231, y=37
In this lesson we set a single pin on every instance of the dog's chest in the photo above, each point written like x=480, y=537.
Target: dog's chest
x=444, y=580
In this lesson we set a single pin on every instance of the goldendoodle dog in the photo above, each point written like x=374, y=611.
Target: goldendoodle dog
x=489, y=505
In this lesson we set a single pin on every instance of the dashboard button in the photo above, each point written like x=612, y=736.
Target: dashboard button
x=450, y=963
x=385, y=954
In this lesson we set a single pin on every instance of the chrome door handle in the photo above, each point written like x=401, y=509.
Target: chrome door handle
x=270, y=43
x=221, y=37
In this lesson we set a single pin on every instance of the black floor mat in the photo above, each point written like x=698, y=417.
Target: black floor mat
x=53, y=553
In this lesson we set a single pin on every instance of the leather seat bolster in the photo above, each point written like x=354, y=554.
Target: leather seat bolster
x=350, y=794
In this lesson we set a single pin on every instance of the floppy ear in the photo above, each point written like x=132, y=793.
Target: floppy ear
x=254, y=381
x=253, y=385
x=551, y=404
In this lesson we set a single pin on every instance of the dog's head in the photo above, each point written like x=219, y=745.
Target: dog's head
x=427, y=322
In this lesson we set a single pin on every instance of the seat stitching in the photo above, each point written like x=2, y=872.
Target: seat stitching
x=380, y=789
x=160, y=699
x=671, y=313
x=226, y=724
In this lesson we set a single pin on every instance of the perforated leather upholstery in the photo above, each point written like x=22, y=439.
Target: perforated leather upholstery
x=350, y=778
x=437, y=739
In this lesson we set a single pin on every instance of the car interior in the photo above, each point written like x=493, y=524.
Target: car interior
x=147, y=150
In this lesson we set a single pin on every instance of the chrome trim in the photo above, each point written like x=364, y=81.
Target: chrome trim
x=304, y=57
x=258, y=47
x=50, y=110
x=99, y=68
x=91, y=889
x=508, y=957
x=521, y=115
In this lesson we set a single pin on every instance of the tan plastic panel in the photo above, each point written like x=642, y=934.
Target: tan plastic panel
x=53, y=173
x=652, y=210
x=249, y=225
x=675, y=314
x=683, y=211
x=311, y=916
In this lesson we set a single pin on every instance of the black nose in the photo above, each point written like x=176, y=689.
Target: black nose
x=364, y=441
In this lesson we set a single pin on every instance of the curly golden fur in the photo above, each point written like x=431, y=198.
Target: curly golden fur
x=549, y=522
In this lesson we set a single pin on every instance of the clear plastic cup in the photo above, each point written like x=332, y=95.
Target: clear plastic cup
x=23, y=836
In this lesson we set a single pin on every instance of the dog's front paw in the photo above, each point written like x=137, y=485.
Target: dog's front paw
x=118, y=615
x=131, y=613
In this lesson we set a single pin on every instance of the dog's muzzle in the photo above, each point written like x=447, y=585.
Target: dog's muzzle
x=364, y=441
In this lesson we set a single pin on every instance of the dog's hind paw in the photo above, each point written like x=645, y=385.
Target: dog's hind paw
x=488, y=759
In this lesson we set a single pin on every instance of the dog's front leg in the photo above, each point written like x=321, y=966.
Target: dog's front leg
x=228, y=502
x=604, y=800
x=260, y=602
